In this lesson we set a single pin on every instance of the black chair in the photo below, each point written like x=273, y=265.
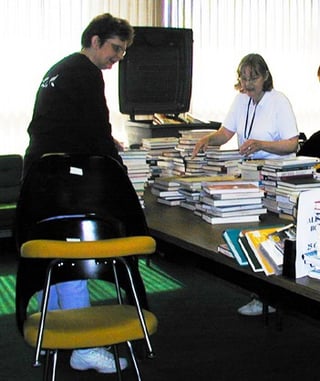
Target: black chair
x=70, y=185
x=10, y=179
x=87, y=198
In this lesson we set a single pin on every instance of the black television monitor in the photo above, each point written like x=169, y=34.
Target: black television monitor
x=155, y=75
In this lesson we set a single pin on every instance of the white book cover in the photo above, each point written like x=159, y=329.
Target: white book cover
x=308, y=229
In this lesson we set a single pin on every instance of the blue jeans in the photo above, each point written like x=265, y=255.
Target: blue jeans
x=68, y=295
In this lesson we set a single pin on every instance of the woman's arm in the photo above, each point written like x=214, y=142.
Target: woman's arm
x=280, y=147
x=216, y=138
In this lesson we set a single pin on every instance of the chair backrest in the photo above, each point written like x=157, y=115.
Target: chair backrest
x=10, y=180
x=71, y=185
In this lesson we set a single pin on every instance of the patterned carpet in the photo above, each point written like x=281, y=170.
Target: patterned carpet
x=154, y=279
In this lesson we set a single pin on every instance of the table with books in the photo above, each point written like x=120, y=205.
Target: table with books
x=177, y=227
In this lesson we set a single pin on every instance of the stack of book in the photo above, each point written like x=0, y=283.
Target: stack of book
x=194, y=183
x=155, y=146
x=251, y=169
x=262, y=248
x=195, y=167
x=166, y=189
x=191, y=187
x=188, y=139
x=231, y=202
x=222, y=161
x=138, y=170
x=284, y=179
x=159, y=119
x=165, y=162
x=156, y=149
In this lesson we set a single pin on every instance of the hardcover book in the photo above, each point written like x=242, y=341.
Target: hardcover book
x=224, y=249
x=228, y=202
x=233, y=213
x=227, y=220
x=300, y=183
x=308, y=229
x=236, y=195
x=231, y=237
x=249, y=253
x=255, y=239
x=230, y=188
x=294, y=161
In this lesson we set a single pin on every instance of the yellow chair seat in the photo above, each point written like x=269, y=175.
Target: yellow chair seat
x=89, y=327
x=115, y=247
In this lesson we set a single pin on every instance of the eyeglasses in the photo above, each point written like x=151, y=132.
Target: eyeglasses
x=118, y=49
x=252, y=79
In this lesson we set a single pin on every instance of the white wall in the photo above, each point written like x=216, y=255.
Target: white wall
x=36, y=33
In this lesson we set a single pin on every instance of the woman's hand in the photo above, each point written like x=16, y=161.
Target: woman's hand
x=279, y=147
x=250, y=146
x=202, y=144
x=216, y=138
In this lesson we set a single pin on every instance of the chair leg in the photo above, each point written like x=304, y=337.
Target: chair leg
x=134, y=361
x=265, y=313
x=50, y=368
x=139, y=309
x=117, y=362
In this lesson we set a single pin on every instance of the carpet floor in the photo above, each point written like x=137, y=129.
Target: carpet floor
x=200, y=338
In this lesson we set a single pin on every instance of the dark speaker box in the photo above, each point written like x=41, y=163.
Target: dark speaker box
x=155, y=75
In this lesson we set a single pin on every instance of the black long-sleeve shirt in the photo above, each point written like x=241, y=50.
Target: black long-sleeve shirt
x=70, y=113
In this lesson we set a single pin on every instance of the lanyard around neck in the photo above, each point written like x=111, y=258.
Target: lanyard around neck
x=246, y=131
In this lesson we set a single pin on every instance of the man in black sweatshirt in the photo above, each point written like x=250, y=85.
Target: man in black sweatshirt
x=71, y=116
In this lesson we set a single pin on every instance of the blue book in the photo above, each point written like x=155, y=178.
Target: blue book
x=231, y=237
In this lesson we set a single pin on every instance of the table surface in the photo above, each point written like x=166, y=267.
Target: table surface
x=180, y=227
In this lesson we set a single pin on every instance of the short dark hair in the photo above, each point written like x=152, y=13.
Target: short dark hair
x=106, y=26
x=258, y=66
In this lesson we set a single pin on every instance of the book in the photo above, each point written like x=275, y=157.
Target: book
x=195, y=182
x=229, y=213
x=273, y=255
x=227, y=220
x=224, y=154
x=314, y=272
x=165, y=187
x=255, y=238
x=187, y=204
x=280, y=174
x=231, y=208
x=231, y=236
x=249, y=253
x=307, y=229
x=224, y=249
x=165, y=193
x=236, y=187
x=167, y=181
x=280, y=235
x=300, y=183
x=236, y=195
x=168, y=202
x=293, y=161
x=256, y=164
x=227, y=202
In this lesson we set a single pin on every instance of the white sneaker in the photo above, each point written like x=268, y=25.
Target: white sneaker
x=254, y=308
x=98, y=359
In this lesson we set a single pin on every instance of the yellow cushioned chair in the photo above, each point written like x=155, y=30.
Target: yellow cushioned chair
x=95, y=326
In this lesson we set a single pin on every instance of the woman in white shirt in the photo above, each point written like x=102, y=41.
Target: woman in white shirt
x=261, y=117
x=265, y=125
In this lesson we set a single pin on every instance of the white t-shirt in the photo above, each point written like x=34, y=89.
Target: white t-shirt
x=271, y=119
